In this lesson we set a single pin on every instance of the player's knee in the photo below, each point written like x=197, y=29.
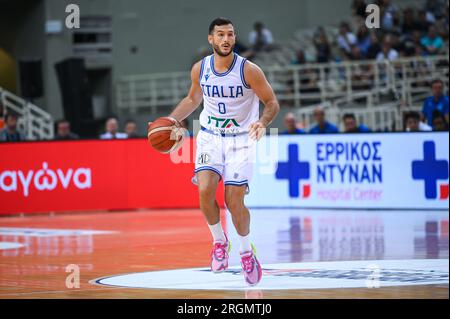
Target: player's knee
x=234, y=205
x=206, y=193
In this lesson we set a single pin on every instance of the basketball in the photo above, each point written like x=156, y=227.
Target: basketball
x=165, y=134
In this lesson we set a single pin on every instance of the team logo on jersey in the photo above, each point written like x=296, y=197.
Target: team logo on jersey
x=204, y=158
x=222, y=123
x=207, y=74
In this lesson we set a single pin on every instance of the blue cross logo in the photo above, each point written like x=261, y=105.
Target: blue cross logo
x=429, y=169
x=293, y=170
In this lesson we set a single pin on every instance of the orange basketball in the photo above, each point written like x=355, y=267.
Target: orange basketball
x=165, y=134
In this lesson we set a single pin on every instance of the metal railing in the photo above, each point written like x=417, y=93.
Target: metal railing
x=34, y=122
x=387, y=116
x=301, y=85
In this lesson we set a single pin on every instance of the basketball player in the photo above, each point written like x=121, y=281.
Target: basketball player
x=231, y=89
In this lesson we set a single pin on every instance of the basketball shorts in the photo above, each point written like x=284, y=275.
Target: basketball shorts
x=231, y=156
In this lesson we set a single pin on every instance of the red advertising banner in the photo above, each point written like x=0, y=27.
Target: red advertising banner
x=94, y=175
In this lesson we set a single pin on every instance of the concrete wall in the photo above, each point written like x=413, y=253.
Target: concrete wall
x=169, y=33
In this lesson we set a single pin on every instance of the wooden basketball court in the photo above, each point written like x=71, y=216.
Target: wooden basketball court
x=154, y=240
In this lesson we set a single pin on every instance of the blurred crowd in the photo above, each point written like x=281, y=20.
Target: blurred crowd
x=413, y=31
x=433, y=117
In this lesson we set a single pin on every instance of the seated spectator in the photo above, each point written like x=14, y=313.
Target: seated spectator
x=350, y=125
x=131, y=129
x=363, y=40
x=422, y=21
x=409, y=23
x=374, y=46
x=361, y=74
x=323, y=47
x=389, y=16
x=2, y=114
x=439, y=122
x=322, y=126
x=412, y=45
x=346, y=39
x=290, y=123
x=300, y=57
x=387, y=52
x=10, y=132
x=413, y=123
x=434, y=9
x=437, y=102
x=112, y=127
x=359, y=8
x=243, y=50
x=432, y=42
x=63, y=131
x=260, y=38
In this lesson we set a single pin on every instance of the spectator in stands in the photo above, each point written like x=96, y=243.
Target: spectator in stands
x=363, y=40
x=290, y=123
x=10, y=132
x=300, y=57
x=131, y=129
x=412, y=45
x=243, y=50
x=322, y=126
x=309, y=76
x=374, y=47
x=260, y=38
x=346, y=39
x=437, y=102
x=112, y=127
x=432, y=42
x=351, y=126
x=361, y=74
x=409, y=23
x=439, y=122
x=2, y=111
x=389, y=16
x=442, y=25
x=63, y=131
x=323, y=47
x=359, y=8
x=387, y=52
x=434, y=9
x=413, y=123
x=422, y=23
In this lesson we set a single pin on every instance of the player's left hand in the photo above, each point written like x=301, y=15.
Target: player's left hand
x=257, y=130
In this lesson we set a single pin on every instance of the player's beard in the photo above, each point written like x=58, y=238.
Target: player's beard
x=219, y=51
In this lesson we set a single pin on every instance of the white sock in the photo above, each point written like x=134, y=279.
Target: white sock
x=217, y=232
x=245, y=243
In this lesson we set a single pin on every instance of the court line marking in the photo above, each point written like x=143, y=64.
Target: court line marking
x=324, y=275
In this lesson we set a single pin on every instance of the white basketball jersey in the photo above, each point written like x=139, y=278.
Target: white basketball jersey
x=229, y=104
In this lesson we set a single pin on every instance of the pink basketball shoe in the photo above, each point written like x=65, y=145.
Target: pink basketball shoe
x=219, y=255
x=251, y=267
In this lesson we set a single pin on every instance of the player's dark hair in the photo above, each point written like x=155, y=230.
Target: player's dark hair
x=349, y=116
x=218, y=22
